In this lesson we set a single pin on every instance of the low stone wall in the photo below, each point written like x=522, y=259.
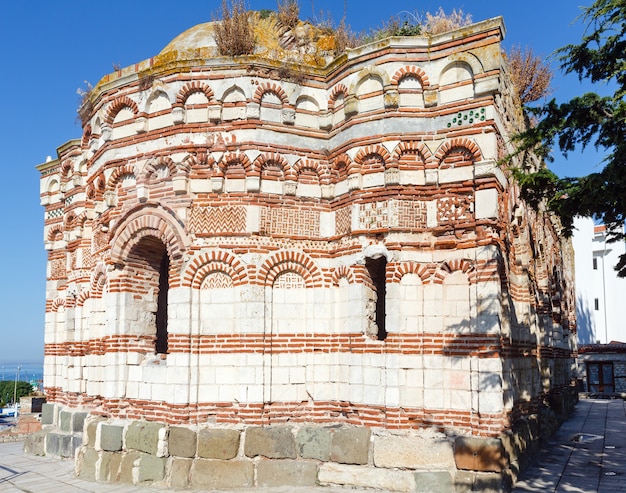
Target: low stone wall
x=212, y=457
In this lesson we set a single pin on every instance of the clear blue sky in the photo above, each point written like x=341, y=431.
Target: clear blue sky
x=49, y=48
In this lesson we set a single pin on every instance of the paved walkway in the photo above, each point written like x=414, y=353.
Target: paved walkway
x=587, y=455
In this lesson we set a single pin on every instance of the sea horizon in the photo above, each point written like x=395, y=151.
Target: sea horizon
x=26, y=371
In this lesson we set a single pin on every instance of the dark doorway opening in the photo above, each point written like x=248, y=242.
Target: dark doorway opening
x=161, y=314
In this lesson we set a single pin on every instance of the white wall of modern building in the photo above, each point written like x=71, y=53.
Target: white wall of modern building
x=600, y=294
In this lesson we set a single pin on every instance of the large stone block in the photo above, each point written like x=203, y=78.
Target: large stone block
x=182, y=442
x=218, y=474
x=479, y=454
x=179, y=473
x=429, y=481
x=65, y=421
x=109, y=467
x=125, y=472
x=413, y=452
x=274, y=442
x=350, y=445
x=111, y=437
x=87, y=459
x=78, y=421
x=286, y=473
x=143, y=436
x=366, y=477
x=314, y=443
x=47, y=414
x=218, y=444
x=148, y=468
x=35, y=443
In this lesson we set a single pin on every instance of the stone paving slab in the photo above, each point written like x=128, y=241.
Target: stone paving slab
x=586, y=455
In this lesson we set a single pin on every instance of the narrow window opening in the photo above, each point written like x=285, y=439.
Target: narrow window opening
x=595, y=263
x=377, y=268
x=596, y=304
x=161, y=315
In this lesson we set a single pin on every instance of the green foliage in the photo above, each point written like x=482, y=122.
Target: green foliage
x=7, y=389
x=265, y=13
x=589, y=119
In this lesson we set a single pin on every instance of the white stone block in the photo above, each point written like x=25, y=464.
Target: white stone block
x=486, y=203
x=413, y=452
x=364, y=476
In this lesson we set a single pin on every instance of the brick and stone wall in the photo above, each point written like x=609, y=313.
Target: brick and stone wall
x=232, y=247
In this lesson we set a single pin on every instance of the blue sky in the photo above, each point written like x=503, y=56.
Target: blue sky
x=49, y=50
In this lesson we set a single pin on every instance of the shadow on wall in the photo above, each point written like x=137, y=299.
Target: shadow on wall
x=584, y=322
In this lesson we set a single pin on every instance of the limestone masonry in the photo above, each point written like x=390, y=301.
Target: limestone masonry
x=303, y=272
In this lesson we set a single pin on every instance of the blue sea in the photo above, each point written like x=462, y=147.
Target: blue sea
x=27, y=372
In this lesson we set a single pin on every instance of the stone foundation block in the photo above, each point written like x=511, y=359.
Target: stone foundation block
x=350, y=445
x=61, y=445
x=143, y=436
x=78, y=421
x=65, y=421
x=218, y=444
x=125, y=472
x=47, y=414
x=148, y=468
x=275, y=442
x=35, y=443
x=366, y=477
x=467, y=481
x=479, y=454
x=314, y=443
x=286, y=473
x=413, y=452
x=179, y=473
x=87, y=461
x=429, y=481
x=218, y=474
x=108, y=469
x=182, y=442
x=110, y=437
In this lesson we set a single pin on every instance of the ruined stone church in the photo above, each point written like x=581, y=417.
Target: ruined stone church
x=305, y=272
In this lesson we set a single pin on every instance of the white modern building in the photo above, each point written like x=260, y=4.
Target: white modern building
x=599, y=292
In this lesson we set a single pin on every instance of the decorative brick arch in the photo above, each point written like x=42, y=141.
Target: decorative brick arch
x=271, y=88
x=118, y=174
x=337, y=90
x=69, y=221
x=350, y=167
x=84, y=142
x=344, y=272
x=215, y=261
x=364, y=74
x=153, y=164
x=57, y=304
x=273, y=158
x=54, y=232
x=410, y=71
x=235, y=157
x=82, y=297
x=372, y=150
x=413, y=147
x=400, y=269
x=148, y=220
x=290, y=261
x=191, y=88
x=117, y=105
x=460, y=143
x=455, y=265
x=315, y=166
x=99, y=278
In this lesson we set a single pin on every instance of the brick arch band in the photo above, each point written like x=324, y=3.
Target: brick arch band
x=148, y=220
x=289, y=261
